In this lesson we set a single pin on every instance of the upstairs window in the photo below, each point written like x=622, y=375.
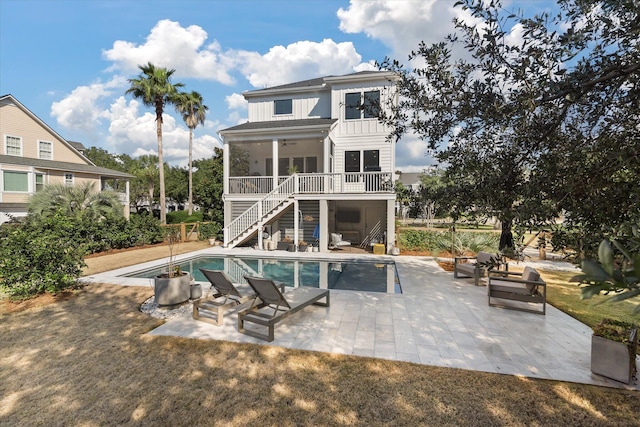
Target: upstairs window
x=45, y=150
x=359, y=105
x=352, y=161
x=352, y=106
x=283, y=106
x=371, y=104
x=68, y=179
x=13, y=145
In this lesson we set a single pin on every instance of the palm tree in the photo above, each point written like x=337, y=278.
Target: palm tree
x=193, y=113
x=145, y=168
x=154, y=88
x=76, y=200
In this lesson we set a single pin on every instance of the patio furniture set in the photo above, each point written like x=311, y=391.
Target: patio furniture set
x=265, y=303
x=506, y=289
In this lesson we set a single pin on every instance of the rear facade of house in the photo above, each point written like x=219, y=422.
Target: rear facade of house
x=312, y=160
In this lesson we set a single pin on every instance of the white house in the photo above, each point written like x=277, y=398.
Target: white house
x=312, y=160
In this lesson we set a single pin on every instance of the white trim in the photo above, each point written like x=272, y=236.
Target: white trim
x=40, y=150
x=72, y=178
x=6, y=145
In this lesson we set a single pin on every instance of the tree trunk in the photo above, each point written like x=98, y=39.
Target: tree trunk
x=190, y=172
x=506, y=237
x=163, y=210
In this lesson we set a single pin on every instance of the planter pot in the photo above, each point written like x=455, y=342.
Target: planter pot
x=302, y=248
x=291, y=247
x=172, y=290
x=395, y=251
x=315, y=249
x=196, y=291
x=212, y=242
x=614, y=359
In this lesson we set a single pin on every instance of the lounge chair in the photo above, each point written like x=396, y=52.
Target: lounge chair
x=526, y=287
x=465, y=267
x=271, y=306
x=337, y=242
x=224, y=296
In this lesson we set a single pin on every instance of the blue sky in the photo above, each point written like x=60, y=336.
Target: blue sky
x=69, y=61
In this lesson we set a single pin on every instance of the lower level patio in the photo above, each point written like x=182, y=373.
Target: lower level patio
x=437, y=320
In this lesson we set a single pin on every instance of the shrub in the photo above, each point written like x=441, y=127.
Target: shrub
x=183, y=216
x=440, y=241
x=210, y=230
x=38, y=256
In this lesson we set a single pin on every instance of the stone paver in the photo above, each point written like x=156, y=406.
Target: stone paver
x=437, y=320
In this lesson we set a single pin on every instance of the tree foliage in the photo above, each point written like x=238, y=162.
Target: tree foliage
x=208, y=187
x=539, y=117
x=155, y=89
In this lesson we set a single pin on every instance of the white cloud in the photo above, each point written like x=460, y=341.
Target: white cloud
x=412, y=154
x=80, y=110
x=172, y=46
x=298, y=61
x=399, y=24
x=236, y=101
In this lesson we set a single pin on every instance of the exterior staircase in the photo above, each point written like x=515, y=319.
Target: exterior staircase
x=260, y=213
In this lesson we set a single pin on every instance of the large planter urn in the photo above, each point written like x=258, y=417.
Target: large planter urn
x=613, y=359
x=172, y=290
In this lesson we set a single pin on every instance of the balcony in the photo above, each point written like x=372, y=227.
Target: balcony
x=317, y=183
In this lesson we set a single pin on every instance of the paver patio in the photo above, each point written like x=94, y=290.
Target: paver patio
x=437, y=320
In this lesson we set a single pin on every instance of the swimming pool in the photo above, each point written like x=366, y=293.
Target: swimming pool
x=379, y=276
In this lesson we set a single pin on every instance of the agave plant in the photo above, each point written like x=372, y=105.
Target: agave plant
x=616, y=272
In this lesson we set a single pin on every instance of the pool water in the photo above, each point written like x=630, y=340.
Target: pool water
x=347, y=275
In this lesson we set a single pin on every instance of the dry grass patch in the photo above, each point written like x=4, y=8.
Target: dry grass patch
x=87, y=361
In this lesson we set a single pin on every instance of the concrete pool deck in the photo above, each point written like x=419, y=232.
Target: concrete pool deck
x=437, y=320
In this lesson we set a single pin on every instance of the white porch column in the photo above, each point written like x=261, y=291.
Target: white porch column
x=127, y=206
x=324, y=226
x=391, y=225
x=275, y=162
x=225, y=167
x=296, y=223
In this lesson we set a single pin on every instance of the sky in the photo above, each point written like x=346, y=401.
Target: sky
x=69, y=61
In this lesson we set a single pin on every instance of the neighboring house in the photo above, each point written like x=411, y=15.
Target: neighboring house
x=312, y=160
x=411, y=181
x=33, y=155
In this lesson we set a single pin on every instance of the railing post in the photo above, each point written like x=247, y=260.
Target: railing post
x=183, y=232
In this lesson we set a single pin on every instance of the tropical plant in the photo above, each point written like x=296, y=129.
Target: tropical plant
x=193, y=113
x=76, y=200
x=154, y=88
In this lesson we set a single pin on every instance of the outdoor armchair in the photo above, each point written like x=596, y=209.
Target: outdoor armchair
x=471, y=266
x=526, y=287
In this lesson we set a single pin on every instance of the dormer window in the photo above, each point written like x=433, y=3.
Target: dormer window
x=360, y=105
x=283, y=106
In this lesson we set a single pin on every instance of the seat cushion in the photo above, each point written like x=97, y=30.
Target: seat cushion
x=483, y=257
x=531, y=275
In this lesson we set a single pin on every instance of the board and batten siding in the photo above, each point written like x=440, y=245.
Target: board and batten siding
x=304, y=106
x=362, y=143
x=15, y=122
x=370, y=126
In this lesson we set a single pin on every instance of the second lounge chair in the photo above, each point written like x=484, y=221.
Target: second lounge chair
x=274, y=306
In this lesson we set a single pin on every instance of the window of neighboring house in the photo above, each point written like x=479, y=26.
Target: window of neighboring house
x=68, y=179
x=15, y=181
x=45, y=150
x=311, y=164
x=283, y=106
x=372, y=160
x=13, y=145
x=352, y=106
x=352, y=161
x=39, y=182
x=371, y=104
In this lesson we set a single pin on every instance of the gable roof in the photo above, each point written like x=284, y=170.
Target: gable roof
x=11, y=98
x=280, y=124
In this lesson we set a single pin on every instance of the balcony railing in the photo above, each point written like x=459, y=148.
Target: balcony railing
x=318, y=183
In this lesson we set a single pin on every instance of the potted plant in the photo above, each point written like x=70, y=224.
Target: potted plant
x=210, y=231
x=614, y=343
x=613, y=350
x=302, y=246
x=173, y=286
